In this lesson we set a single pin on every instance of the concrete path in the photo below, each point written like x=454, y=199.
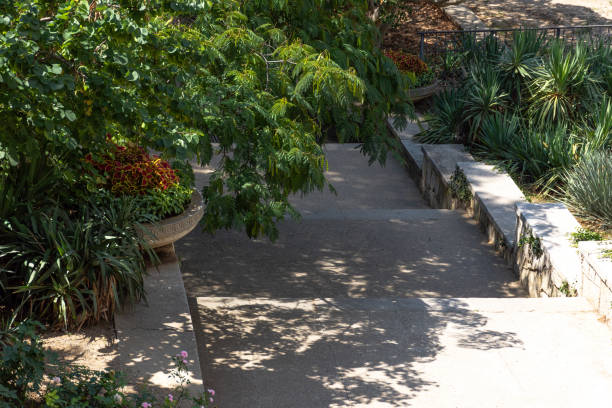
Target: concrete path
x=375, y=300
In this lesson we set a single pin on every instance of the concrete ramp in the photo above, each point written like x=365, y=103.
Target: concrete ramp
x=410, y=352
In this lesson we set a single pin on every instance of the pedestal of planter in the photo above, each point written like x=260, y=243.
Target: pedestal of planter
x=423, y=92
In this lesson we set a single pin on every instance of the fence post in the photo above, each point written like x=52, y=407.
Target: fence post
x=422, y=47
x=558, y=33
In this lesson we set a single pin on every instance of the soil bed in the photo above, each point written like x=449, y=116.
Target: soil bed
x=416, y=16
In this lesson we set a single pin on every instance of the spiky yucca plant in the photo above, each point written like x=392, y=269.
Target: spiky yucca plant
x=588, y=188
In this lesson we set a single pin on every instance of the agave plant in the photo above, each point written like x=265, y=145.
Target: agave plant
x=496, y=134
x=537, y=157
x=543, y=155
x=588, y=187
x=445, y=125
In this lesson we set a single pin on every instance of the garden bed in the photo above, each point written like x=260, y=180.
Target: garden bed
x=415, y=17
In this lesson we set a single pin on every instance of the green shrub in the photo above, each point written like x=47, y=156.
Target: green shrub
x=30, y=376
x=518, y=61
x=585, y=235
x=446, y=122
x=484, y=97
x=73, y=267
x=22, y=361
x=588, y=188
x=563, y=87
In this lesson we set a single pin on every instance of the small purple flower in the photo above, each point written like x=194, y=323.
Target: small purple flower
x=56, y=381
x=185, y=361
x=170, y=397
x=146, y=405
x=184, y=354
x=211, y=391
x=211, y=400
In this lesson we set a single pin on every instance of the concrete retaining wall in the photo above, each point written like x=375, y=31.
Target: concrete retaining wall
x=545, y=260
x=596, y=286
x=534, y=238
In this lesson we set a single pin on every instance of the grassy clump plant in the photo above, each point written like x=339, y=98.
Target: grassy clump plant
x=588, y=188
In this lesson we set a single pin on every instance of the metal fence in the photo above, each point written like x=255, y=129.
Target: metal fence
x=437, y=43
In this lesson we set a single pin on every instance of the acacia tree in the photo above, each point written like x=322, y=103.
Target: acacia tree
x=265, y=79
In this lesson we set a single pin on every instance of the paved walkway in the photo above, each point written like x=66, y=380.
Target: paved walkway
x=375, y=300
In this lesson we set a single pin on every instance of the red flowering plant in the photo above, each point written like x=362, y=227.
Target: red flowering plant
x=130, y=170
x=412, y=66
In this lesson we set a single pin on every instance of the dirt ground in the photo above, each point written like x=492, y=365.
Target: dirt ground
x=94, y=347
x=538, y=13
x=416, y=16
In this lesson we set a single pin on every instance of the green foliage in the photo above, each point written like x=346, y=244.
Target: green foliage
x=588, y=188
x=518, y=62
x=161, y=204
x=562, y=87
x=25, y=365
x=484, y=98
x=424, y=79
x=184, y=171
x=22, y=362
x=568, y=290
x=73, y=268
x=585, y=235
x=446, y=122
x=268, y=80
x=460, y=187
x=534, y=244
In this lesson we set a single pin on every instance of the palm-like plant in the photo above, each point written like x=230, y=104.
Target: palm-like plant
x=563, y=87
x=484, y=98
x=447, y=121
x=518, y=61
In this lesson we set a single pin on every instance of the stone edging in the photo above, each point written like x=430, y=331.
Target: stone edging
x=150, y=334
x=597, y=275
x=534, y=238
x=464, y=18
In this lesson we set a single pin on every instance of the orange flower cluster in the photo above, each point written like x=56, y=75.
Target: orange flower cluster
x=407, y=62
x=131, y=170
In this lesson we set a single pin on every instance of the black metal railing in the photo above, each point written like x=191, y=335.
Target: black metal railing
x=436, y=43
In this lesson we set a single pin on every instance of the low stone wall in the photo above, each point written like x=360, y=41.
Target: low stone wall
x=534, y=238
x=411, y=151
x=596, y=261
x=494, y=197
x=439, y=165
x=464, y=18
x=545, y=260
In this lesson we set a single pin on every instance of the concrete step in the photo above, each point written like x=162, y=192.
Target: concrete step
x=426, y=214
x=386, y=352
x=356, y=253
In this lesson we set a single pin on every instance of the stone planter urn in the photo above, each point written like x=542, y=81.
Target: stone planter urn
x=417, y=94
x=171, y=229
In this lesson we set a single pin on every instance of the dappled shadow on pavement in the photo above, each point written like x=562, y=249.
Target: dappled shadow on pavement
x=329, y=352
x=436, y=255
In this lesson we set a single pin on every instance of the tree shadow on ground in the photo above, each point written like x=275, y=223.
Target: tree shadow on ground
x=329, y=352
